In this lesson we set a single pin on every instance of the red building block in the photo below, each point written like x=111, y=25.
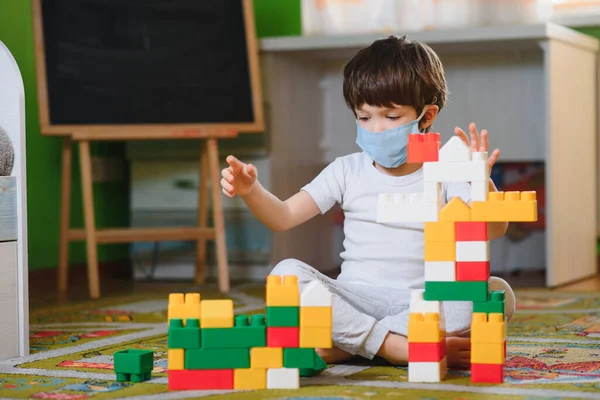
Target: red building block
x=423, y=147
x=426, y=352
x=283, y=337
x=472, y=271
x=200, y=379
x=471, y=232
x=487, y=373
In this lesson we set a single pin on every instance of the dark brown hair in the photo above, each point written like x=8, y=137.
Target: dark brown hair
x=395, y=70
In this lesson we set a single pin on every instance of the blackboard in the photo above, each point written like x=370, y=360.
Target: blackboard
x=129, y=62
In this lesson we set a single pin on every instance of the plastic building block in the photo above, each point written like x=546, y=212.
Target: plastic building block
x=509, y=206
x=440, y=251
x=494, y=304
x=316, y=337
x=250, y=379
x=298, y=358
x=425, y=328
x=432, y=192
x=479, y=190
x=423, y=147
x=315, y=317
x=319, y=367
x=455, y=150
x=205, y=379
x=187, y=337
x=176, y=358
x=405, y=207
x=441, y=271
x=133, y=365
x=427, y=371
x=183, y=306
x=217, y=358
x=315, y=294
x=472, y=271
x=479, y=156
x=283, y=337
x=455, y=211
x=487, y=328
x=456, y=291
x=472, y=251
x=426, y=352
x=487, y=373
x=284, y=293
x=456, y=171
x=418, y=305
x=283, y=378
x=471, y=231
x=487, y=353
x=217, y=314
x=282, y=316
x=440, y=232
x=246, y=333
x=266, y=357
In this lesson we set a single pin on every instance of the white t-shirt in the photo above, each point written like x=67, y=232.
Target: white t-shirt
x=378, y=254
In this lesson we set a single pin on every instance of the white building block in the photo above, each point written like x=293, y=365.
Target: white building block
x=406, y=207
x=473, y=251
x=459, y=171
x=419, y=305
x=427, y=371
x=440, y=271
x=283, y=378
x=315, y=294
x=432, y=191
x=454, y=150
x=479, y=156
x=479, y=190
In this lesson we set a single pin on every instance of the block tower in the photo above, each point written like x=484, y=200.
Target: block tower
x=457, y=255
x=210, y=348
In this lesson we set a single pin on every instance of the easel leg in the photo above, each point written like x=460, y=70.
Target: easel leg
x=202, y=215
x=65, y=209
x=219, y=223
x=90, y=224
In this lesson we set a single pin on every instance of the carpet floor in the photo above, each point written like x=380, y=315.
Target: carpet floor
x=553, y=353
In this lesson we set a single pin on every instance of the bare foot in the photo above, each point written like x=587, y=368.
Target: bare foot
x=458, y=352
x=334, y=355
x=394, y=349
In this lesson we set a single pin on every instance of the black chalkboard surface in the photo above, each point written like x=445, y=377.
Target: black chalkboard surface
x=124, y=62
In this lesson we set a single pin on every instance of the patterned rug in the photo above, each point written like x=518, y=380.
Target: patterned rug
x=553, y=352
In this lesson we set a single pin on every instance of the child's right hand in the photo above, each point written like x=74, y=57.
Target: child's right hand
x=238, y=178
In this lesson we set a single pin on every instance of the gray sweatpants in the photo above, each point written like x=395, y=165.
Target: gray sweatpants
x=363, y=315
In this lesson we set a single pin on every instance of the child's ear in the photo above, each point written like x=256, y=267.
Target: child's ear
x=429, y=116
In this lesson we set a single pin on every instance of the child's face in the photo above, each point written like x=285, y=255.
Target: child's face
x=378, y=119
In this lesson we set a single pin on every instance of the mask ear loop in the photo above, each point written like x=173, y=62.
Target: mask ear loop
x=423, y=113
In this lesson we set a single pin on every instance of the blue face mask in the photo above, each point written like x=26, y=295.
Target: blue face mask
x=387, y=148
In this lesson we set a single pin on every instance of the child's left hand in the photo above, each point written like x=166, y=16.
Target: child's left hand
x=476, y=145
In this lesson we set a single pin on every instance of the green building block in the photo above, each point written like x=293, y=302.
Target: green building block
x=133, y=365
x=283, y=316
x=217, y=358
x=494, y=304
x=245, y=334
x=298, y=358
x=456, y=291
x=319, y=367
x=184, y=337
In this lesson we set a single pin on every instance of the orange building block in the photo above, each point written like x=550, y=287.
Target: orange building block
x=506, y=206
x=315, y=317
x=486, y=329
x=286, y=294
x=424, y=328
x=266, y=357
x=250, y=378
x=217, y=314
x=455, y=210
x=175, y=359
x=440, y=251
x=315, y=338
x=487, y=353
x=440, y=232
x=183, y=306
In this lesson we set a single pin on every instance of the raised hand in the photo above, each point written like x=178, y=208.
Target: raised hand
x=238, y=178
x=476, y=144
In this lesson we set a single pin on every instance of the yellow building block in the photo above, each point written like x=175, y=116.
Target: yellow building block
x=486, y=329
x=216, y=314
x=286, y=294
x=250, y=378
x=424, y=328
x=440, y=251
x=455, y=210
x=175, y=359
x=315, y=317
x=183, y=306
x=487, y=353
x=440, y=232
x=319, y=338
x=266, y=357
x=506, y=206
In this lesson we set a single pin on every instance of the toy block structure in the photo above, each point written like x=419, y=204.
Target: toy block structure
x=133, y=365
x=456, y=255
x=211, y=348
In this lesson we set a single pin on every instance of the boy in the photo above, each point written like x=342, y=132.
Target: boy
x=394, y=87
